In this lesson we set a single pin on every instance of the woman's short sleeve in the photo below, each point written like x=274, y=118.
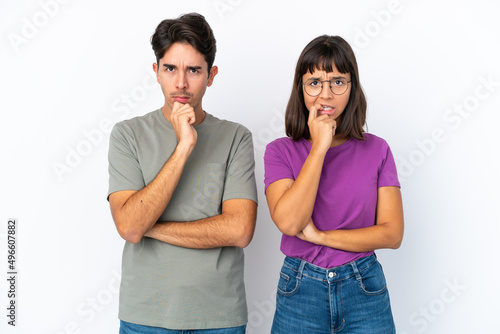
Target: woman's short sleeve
x=388, y=175
x=276, y=164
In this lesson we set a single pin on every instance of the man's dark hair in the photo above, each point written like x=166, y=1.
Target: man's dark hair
x=321, y=53
x=190, y=28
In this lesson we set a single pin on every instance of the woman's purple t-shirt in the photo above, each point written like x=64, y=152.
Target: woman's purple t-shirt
x=347, y=192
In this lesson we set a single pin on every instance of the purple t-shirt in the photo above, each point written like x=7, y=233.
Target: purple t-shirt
x=347, y=192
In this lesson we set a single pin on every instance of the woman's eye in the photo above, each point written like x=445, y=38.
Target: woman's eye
x=338, y=82
x=314, y=83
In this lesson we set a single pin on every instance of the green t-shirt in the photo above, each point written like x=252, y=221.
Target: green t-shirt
x=175, y=287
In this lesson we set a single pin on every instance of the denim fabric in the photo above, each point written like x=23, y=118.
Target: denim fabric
x=129, y=328
x=352, y=298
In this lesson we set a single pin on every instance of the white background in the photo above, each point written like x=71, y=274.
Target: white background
x=71, y=69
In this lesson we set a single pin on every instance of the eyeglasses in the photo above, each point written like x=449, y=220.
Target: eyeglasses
x=338, y=86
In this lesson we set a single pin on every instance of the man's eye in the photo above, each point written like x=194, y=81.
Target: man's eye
x=169, y=68
x=194, y=70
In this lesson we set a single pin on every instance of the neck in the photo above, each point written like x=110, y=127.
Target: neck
x=336, y=141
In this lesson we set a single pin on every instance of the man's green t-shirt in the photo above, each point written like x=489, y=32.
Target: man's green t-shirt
x=175, y=287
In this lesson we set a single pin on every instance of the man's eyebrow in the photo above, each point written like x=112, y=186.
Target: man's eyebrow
x=188, y=67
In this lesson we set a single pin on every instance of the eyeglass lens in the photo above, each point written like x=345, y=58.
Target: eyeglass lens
x=338, y=86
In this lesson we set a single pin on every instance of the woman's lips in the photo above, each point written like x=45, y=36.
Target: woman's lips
x=326, y=110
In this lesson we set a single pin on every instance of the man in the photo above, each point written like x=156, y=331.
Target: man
x=182, y=194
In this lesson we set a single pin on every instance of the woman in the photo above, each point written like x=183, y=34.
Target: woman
x=333, y=191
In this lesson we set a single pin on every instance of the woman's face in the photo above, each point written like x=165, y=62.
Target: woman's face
x=326, y=102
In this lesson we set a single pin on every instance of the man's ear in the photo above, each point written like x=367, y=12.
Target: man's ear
x=213, y=72
x=155, y=69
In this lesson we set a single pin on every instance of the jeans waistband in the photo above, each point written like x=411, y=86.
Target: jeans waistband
x=331, y=274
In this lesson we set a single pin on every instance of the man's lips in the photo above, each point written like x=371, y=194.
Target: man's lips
x=181, y=99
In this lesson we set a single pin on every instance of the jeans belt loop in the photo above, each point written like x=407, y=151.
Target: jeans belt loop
x=301, y=268
x=356, y=271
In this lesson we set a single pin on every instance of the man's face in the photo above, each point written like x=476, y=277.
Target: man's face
x=183, y=76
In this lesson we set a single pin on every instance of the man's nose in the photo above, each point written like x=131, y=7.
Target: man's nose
x=181, y=82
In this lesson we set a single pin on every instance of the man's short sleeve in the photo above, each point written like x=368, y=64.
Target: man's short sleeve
x=240, y=177
x=124, y=168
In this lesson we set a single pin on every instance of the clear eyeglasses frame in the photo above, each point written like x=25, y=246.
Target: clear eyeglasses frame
x=314, y=87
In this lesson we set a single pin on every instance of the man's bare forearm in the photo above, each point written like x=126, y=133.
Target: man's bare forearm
x=139, y=212
x=233, y=227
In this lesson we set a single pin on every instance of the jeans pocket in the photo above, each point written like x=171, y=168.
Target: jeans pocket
x=289, y=282
x=372, y=280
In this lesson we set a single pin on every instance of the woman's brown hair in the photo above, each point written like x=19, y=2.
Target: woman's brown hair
x=320, y=54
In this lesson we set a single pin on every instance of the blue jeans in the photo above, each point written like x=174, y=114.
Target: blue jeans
x=129, y=328
x=352, y=298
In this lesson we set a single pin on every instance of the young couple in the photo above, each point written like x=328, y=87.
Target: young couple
x=182, y=194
